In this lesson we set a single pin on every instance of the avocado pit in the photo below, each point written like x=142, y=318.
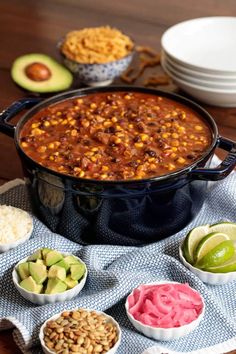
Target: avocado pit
x=37, y=72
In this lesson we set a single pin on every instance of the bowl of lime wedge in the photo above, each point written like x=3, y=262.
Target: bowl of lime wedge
x=209, y=251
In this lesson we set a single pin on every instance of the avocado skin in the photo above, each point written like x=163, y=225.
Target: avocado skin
x=61, y=78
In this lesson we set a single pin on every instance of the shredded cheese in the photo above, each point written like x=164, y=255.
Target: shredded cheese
x=14, y=224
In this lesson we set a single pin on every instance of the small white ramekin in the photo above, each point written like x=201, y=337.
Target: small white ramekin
x=113, y=350
x=4, y=247
x=164, y=334
x=208, y=277
x=42, y=299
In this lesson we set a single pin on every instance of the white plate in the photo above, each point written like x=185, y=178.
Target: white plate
x=197, y=73
x=207, y=43
x=220, y=98
x=204, y=83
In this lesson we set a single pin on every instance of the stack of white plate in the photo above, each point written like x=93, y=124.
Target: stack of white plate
x=200, y=56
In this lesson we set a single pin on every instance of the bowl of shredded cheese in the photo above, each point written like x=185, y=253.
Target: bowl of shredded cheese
x=16, y=226
x=97, y=55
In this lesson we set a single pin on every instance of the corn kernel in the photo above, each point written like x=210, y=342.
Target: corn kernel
x=175, y=135
x=51, y=145
x=105, y=168
x=42, y=148
x=24, y=144
x=164, y=135
x=131, y=126
x=73, y=122
x=138, y=145
x=85, y=123
x=59, y=113
x=181, y=129
x=184, y=143
x=81, y=174
x=144, y=137
x=175, y=143
x=174, y=148
x=54, y=122
x=117, y=140
x=37, y=131
x=73, y=132
x=93, y=105
x=114, y=119
x=127, y=97
x=77, y=169
x=173, y=155
x=107, y=124
x=171, y=166
x=79, y=100
x=181, y=160
x=168, y=125
x=94, y=149
x=46, y=124
x=192, y=136
x=198, y=127
x=64, y=122
x=93, y=158
x=51, y=158
x=167, y=115
x=104, y=176
x=35, y=125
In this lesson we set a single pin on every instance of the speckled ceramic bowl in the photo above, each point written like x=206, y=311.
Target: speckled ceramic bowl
x=97, y=74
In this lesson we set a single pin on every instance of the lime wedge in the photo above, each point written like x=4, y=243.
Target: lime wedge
x=191, y=241
x=228, y=228
x=217, y=255
x=229, y=266
x=207, y=243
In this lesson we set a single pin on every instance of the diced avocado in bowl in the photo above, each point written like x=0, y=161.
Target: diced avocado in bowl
x=48, y=276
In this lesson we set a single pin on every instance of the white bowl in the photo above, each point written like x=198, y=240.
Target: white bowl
x=205, y=83
x=4, y=247
x=46, y=350
x=221, y=98
x=198, y=74
x=42, y=299
x=164, y=334
x=207, y=43
x=208, y=277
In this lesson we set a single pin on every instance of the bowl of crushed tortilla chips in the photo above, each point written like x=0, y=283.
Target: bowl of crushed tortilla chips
x=96, y=55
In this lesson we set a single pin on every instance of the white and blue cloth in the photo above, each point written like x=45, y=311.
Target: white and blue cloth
x=114, y=271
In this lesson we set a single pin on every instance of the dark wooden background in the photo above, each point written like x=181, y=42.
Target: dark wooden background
x=36, y=26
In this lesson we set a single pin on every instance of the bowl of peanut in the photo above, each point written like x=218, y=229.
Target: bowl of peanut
x=82, y=331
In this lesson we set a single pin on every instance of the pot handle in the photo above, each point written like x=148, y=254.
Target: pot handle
x=11, y=111
x=224, y=169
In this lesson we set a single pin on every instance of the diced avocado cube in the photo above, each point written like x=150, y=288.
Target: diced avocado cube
x=71, y=260
x=56, y=271
x=77, y=271
x=38, y=272
x=23, y=270
x=63, y=264
x=36, y=255
x=45, y=251
x=71, y=283
x=30, y=285
x=53, y=257
x=55, y=286
x=40, y=261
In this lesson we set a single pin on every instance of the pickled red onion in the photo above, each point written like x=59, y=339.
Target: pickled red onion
x=165, y=305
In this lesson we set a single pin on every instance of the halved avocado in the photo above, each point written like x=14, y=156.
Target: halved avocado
x=40, y=73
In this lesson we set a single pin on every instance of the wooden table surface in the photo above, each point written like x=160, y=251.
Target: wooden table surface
x=35, y=26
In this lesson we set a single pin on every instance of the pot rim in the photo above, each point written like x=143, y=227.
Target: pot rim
x=122, y=88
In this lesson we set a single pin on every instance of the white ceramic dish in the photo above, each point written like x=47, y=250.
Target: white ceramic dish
x=207, y=43
x=164, y=334
x=205, y=83
x=42, y=299
x=222, y=98
x=198, y=74
x=46, y=350
x=207, y=277
x=4, y=247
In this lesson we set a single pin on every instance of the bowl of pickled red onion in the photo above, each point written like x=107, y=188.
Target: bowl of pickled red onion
x=165, y=310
